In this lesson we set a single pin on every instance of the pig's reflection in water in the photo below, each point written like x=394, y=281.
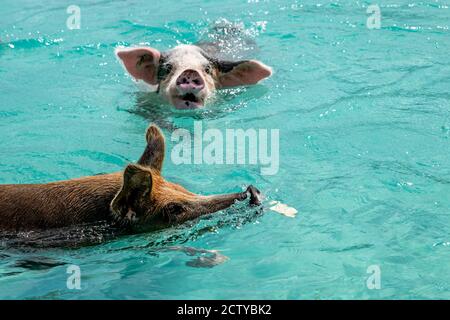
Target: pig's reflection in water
x=203, y=258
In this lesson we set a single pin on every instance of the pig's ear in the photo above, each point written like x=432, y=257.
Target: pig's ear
x=242, y=73
x=142, y=63
x=136, y=188
x=153, y=155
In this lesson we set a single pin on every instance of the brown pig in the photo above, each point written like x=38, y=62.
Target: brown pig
x=138, y=198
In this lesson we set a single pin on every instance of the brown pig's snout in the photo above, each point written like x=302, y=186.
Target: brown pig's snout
x=255, y=195
x=190, y=81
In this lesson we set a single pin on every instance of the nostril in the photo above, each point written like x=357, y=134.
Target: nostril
x=182, y=81
x=190, y=81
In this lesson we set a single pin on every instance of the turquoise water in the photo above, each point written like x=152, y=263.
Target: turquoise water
x=364, y=148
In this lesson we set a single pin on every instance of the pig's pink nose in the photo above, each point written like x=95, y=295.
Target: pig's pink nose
x=190, y=81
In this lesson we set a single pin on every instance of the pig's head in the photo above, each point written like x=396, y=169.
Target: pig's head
x=147, y=200
x=186, y=76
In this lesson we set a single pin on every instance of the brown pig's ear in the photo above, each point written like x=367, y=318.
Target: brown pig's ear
x=153, y=155
x=142, y=63
x=241, y=73
x=136, y=188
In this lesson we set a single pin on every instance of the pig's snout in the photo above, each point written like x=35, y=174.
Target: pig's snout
x=255, y=195
x=190, y=81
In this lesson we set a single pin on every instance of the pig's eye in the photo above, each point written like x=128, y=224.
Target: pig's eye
x=208, y=70
x=173, y=209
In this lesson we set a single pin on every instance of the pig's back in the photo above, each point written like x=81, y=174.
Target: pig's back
x=58, y=204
